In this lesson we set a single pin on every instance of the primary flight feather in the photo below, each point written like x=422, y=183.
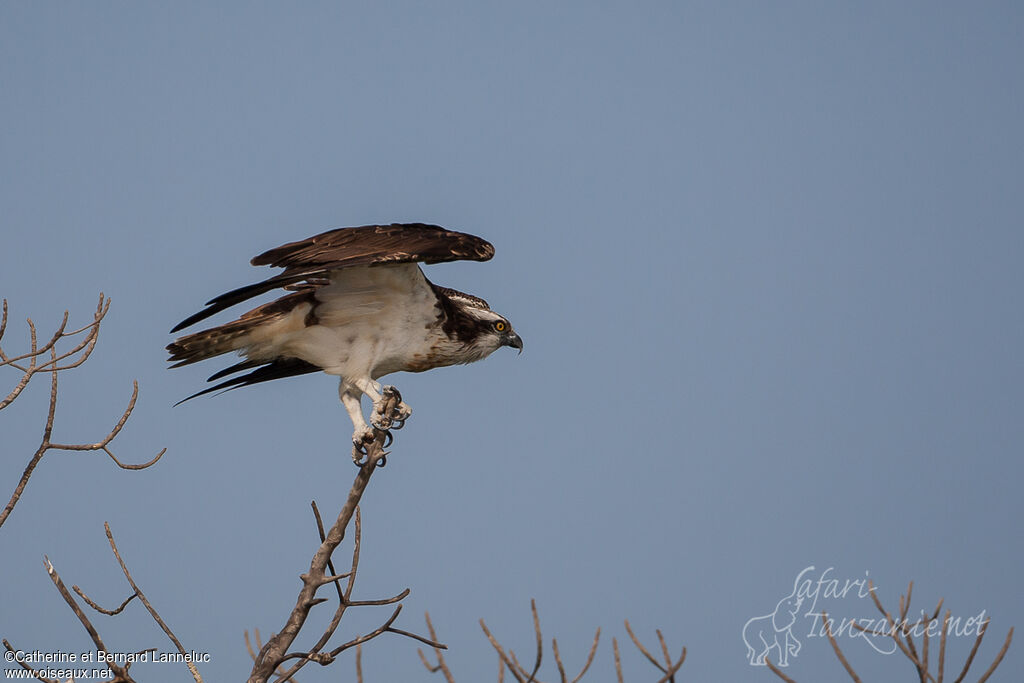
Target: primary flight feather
x=360, y=308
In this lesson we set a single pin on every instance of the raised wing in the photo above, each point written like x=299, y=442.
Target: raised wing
x=368, y=245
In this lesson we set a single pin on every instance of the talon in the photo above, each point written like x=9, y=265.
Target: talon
x=400, y=414
x=388, y=438
x=359, y=444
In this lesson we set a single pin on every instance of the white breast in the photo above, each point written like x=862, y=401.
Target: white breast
x=370, y=320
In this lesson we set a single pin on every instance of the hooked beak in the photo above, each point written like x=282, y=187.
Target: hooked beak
x=515, y=341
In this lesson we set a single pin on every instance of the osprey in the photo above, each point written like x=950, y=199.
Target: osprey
x=360, y=307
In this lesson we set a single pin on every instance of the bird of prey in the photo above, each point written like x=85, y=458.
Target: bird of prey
x=359, y=307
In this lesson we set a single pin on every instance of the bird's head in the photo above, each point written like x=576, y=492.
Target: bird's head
x=496, y=331
x=490, y=331
x=471, y=324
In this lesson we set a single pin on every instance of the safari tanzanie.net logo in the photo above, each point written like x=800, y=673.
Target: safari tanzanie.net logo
x=804, y=613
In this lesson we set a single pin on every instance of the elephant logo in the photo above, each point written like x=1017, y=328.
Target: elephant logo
x=775, y=631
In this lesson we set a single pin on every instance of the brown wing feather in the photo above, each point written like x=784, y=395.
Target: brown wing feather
x=377, y=244
x=371, y=245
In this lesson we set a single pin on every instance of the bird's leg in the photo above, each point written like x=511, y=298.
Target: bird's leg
x=362, y=435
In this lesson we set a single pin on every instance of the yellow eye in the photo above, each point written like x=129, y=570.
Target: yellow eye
x=500, y=326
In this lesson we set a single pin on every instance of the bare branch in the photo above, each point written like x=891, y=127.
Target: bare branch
x=618, y=660
x=558, y=661
x=108, y=612
x=274, y=652
x=248, y=645
x=415, y=636
x=942, y=645
x=441, y=666
x=501, y=653
x=670, y=667
x=343, y=596
x=387, y=601
x=974, y=651
x=383, y=628
x=152, y=611
x=643, y=650
x=102, y=444
x=330, y=562
x=120, y=673
x=53, y=367
x=999, y=656
x=508, y=659
x=590, y=657
x=87, y=343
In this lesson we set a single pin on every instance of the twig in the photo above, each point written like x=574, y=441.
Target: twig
x=88, y=343
x=120, y=673
x=508, y=659
x=108, y=612
x=152, y=611
x=999, y=657
x=441, y=665
x=643, y=650
x=586, y=664
x=323, y=537
x=618, y=660
x=103, y=443
x=501, y=653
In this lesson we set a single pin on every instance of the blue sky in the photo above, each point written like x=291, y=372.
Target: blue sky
x=765, y=259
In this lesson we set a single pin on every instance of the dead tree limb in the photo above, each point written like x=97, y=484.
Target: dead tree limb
x=509, y=660
x=277, y=649
x=46, y=358
x=121, y=673
x=441, y=665
x=152, y=611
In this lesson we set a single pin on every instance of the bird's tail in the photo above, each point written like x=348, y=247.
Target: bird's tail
x=238, y=334
x=210, y=343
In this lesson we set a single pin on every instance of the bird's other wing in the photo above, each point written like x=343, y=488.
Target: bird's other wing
x=264, y=372
x=368, y=245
